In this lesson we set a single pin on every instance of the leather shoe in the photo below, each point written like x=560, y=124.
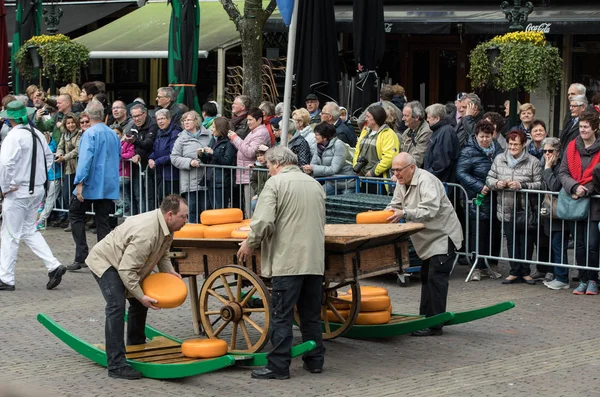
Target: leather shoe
x=530, y=281
x=312, y=370
x=513, y=281
x=265, y=373
x=428, y=332
x=6, y=287
x=55, y=277
x=125, y=373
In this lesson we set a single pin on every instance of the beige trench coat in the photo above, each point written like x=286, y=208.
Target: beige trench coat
x=289, y=225
x=425, y=201
x=134, y=248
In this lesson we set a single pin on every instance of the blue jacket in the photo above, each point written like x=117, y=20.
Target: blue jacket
x=442, y=151
x=54, y=172
x=161, y=151
x=98, y=166
x=224, y=153
x=472, y=170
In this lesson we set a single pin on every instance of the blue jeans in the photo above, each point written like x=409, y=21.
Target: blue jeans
x=196, y=203
x=114, y=293
x=560, y=240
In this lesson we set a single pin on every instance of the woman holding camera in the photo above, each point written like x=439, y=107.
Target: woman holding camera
x=167, y=177
x=220, y=151
x=375, y=149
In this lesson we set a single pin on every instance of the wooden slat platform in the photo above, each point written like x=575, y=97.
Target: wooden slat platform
x=159, y=350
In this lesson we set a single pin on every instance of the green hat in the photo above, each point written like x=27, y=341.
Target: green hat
x=16, y=110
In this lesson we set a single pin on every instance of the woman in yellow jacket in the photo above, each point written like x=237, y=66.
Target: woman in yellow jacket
x=375, y=149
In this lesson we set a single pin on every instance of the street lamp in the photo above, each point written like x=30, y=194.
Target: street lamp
x=52, y=17
x=517, y=16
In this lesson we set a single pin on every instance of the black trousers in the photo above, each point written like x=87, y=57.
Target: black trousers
x=435, y=273
x=114, y=293
x=288, y=291
x=77, y=210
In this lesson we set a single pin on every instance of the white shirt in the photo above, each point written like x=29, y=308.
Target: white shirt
x=15, y=161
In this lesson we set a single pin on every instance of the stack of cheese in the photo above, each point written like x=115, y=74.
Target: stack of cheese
x=375, y=307
x=217, y=224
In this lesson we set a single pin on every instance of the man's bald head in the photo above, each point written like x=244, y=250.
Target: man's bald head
x=403, y=167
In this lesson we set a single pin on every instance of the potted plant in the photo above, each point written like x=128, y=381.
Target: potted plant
x=61, y=58
x=516, y=60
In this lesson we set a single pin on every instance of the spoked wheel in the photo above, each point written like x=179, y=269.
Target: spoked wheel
x=343, y=312
x=234, y=306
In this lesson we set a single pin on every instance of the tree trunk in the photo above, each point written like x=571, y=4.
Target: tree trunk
x=252, y=45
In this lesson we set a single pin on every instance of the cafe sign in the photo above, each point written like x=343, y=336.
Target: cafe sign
x=543, y=28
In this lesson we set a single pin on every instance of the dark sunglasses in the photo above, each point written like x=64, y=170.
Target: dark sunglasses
x=548, y=151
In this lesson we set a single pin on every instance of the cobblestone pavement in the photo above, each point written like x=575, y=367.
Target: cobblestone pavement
x=547, y=346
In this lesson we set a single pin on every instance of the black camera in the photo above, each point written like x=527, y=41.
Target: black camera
x=360, y=164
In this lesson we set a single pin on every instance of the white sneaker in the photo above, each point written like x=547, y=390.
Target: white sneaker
x=493, y=273
x=476, y=275
x=549, y=277
x=556, y=284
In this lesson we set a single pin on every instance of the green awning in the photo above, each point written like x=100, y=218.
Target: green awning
x=146, y=30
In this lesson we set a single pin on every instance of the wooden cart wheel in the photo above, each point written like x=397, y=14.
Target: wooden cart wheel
x=331, y=290
x=234, y=306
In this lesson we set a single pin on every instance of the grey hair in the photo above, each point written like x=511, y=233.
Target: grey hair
x=436, y=110
x=140, y=107
x=245, y=100
x=95, y=110
x=163, y=112
x=474, y=100
x=580, y=100
x=168, y=92
x=197, y=118
x=418, y=112
x=291, y=126
x=279, y=108
x=334, y=110
x=579, y=87
x=281, y=155
x=22, y=98
x=551, y=141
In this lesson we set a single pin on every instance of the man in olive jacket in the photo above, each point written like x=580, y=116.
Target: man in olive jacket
x=120, y=262
x=289, y=227
x=420, y=197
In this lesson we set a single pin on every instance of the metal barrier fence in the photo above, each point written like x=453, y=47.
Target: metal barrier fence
x=533, y=233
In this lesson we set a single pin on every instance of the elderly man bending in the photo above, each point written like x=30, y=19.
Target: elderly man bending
x=289, y=227
x=420, y=197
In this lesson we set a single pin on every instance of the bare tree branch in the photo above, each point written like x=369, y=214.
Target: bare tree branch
x=232, y=11
x=270, y=8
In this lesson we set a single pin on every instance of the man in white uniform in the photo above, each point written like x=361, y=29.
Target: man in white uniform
x=24, y=161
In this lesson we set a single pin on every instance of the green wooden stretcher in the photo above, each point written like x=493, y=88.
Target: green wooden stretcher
x=161, y=357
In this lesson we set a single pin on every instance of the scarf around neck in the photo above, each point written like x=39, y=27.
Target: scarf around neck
x=574, y=162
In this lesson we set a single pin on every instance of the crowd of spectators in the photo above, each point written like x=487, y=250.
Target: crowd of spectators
x=217, y=162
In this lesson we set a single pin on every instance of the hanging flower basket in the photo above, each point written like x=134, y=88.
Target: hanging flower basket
x=61, y=57
x=525, y=61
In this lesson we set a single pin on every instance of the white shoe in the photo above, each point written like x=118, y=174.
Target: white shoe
x=476, y=275
x=556, y=284
x=494, y=274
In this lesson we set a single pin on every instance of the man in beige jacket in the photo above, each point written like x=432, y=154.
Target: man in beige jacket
x=420, y=197
x=289, y=227
x=120, y=262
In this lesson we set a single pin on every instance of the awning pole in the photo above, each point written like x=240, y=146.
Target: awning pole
x=221, y=77
x=289, y=74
